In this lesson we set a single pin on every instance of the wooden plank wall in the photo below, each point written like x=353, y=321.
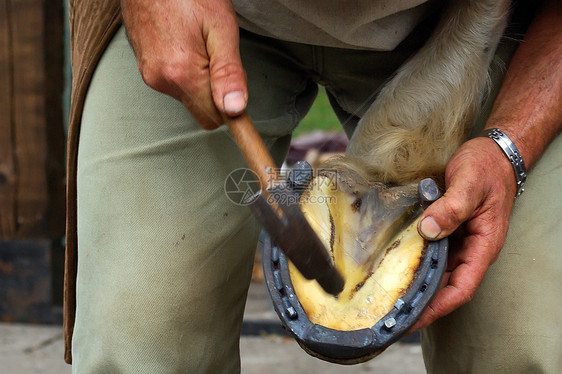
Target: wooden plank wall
x=31, y=126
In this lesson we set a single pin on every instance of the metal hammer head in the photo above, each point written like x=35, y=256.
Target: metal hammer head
x=282, y=218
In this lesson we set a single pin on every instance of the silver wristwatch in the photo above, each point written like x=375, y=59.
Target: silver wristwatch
x=512, y=154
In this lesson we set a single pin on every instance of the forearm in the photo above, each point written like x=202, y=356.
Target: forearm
x=529, y=105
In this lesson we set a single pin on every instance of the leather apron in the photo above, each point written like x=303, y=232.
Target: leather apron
x=92, y=26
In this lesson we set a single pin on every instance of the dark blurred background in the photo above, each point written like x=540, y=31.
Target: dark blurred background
x=34, y=81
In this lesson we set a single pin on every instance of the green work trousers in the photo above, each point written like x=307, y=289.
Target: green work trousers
x=165, y=258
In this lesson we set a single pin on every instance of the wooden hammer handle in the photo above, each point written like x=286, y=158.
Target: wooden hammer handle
x=253, y=149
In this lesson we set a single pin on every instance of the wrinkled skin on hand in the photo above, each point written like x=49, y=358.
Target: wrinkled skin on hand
x=479, y=178
x=480, y=190
x=190, y=51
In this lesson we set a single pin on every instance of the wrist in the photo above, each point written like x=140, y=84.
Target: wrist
x=512, y=154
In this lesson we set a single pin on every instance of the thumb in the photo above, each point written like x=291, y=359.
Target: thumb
x=446, y=214
x=228, y=78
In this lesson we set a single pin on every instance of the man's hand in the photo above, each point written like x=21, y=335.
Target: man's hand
x=481, y=186
x=190, y=51
x=480, y=180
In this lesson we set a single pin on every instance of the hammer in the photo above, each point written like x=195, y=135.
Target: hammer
x=280, y=215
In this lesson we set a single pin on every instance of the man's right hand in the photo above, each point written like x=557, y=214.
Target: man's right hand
x=189, y=49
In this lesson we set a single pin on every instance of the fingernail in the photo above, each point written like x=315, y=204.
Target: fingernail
x=429, y=228
x=234, y=102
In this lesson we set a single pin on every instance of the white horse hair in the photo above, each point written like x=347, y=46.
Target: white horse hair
x=423, y=114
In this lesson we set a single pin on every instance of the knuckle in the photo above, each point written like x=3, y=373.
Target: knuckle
x=455, y=210
x=226, y=69
x=173, y=72
x=466, y=296
x=176, y=72
x=176, y=77
x=152, y=75
x=227, y=72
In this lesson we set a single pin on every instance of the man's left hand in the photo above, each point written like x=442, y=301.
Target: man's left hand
x=480, y=189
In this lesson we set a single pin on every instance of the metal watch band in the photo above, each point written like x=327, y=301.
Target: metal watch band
x=512, y=154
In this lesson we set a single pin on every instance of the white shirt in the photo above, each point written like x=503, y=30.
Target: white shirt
x=360, y=24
